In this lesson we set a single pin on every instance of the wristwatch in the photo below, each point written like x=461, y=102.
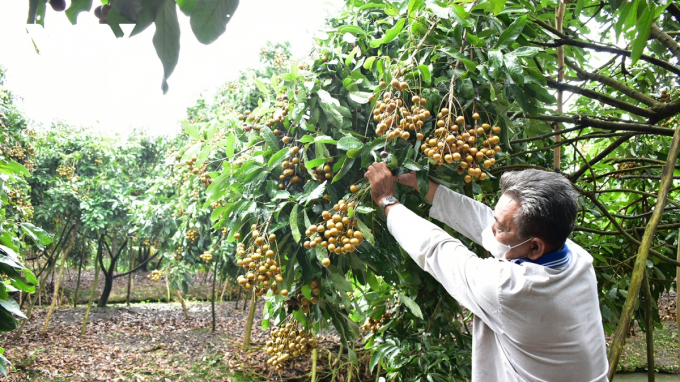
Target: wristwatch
x=387, y=201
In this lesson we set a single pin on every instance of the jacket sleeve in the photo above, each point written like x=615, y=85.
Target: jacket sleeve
x=463, y=214
x=472, y=281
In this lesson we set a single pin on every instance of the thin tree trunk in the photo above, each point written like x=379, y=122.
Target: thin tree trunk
x=224, y=288
x=650, y=331
x=238, y=297
x=213, y=294
x=314, y=357
x=132, y=266
x=167, y=284
x=559, y=20
x=80, y=268
x=93, y=291
x=249, y=322
x=61, y=273
x=640, y=266
x=184, y=305
x=245, y=297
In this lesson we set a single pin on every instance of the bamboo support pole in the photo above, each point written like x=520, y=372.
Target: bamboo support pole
x=181, y=301
x=649, y=323
x=249, y=322
x=314, y=357
x=61, y=274
x=93, y=291
x=643, y=254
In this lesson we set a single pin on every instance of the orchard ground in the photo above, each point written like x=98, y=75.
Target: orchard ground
x=151, y=341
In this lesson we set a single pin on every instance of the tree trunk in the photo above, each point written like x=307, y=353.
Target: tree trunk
x=41, y=284
x=55, y=298
x=677, y=292
x=245, y=297
x=131, y=275
x=249, y=323
x=184, y=305
x=314, y=357
x=93, y=291
x=75, y=296
x=238, y=297
x=108, y=274
x=224, y=289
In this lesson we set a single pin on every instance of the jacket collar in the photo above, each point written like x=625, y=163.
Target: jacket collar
x=551, y=260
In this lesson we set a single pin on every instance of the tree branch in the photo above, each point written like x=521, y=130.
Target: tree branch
x=665, y=39
x=566, y=40
x=138, y=267
x=612, y=146
x=585, y=121
x=634, y=94
x=602, y=98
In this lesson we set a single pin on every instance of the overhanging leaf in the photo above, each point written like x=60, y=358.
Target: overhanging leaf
x=412, y=305
x=209, y=18
x=512, y=32
x=166, y=40
x=389, y=35
x=294, y=224
x=76, y=7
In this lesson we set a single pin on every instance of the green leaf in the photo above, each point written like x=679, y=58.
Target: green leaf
x=191, y=130
x=412, y=305
x=76, y=7
x=389, y=35
x=365, y=231
x=166, y=40
x=368, y=64
x=186, y=6
x=209, y=18
x=425, y=71
x=306, y=291
x=294, y=224
x=360, y=97
x=7, y=321
x=390, y=9
x=644, y=28
x=128, y=8
x=460, y=14
x=315, y=162
x=3, y=364
x=526, y=51
x=261, y=86
x=349, y=143
x=39, y=236
x=338, y=280
x=346, y=166
x=147, y=15
x=229, y=149
x=11, y=306
x=497, y=6
x=411, y=165
x=512, y=32
x=314, y=194
x=440, y=12
x=515, y=69
x=13, y=168
x=270, y=138
x=351, y=29
x=413, y=6
x=278, y=158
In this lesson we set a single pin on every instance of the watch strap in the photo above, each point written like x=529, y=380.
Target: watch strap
x=387, y=201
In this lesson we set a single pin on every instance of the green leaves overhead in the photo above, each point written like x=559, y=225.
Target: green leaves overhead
x=209, y=18
x=512, y=32
x=389, y=35
x=166, y=40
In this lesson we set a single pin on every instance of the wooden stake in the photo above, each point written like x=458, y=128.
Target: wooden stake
x=131, y=275
x=649, y=323
x=61, y=274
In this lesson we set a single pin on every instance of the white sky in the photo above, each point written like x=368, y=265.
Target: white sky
x=85, y=76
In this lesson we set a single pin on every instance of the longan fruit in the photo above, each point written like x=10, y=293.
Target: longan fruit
x=353, y=188
x=326, y=262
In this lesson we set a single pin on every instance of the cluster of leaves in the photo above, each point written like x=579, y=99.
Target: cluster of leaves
x=18, y=235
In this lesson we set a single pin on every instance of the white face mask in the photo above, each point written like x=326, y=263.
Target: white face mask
x=497, y=249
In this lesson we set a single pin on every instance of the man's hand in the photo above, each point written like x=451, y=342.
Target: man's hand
x=382, y=181
x=409, y=180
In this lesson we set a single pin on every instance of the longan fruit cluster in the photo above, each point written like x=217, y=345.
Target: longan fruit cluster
x=373, y=325
x=454, y=141
x=98, y=161
x=665, y=96
x=248, y=121
x=17, y=152
x=289, y=341
x=291, y=169
x=300, y=302
x=156, y=275
x=216, y=204
x=66, y=171
x=191, y=235
x=281, y=111
x=225, y=231
x=337, y=233
x=190, y=164
x=395, y=119
x=259, y=263
x=207, y=256
x=206, y=179
x=322, y=173
x=623, y=167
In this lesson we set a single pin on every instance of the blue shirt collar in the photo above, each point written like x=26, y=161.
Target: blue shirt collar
x=551, y=260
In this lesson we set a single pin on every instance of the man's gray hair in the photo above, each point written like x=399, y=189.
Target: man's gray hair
x=547, y=205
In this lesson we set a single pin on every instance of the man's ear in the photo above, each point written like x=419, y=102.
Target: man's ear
x=538, y=248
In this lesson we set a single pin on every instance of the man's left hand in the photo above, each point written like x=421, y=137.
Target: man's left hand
x=382, y=181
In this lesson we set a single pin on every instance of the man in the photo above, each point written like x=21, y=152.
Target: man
x=537, y=316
